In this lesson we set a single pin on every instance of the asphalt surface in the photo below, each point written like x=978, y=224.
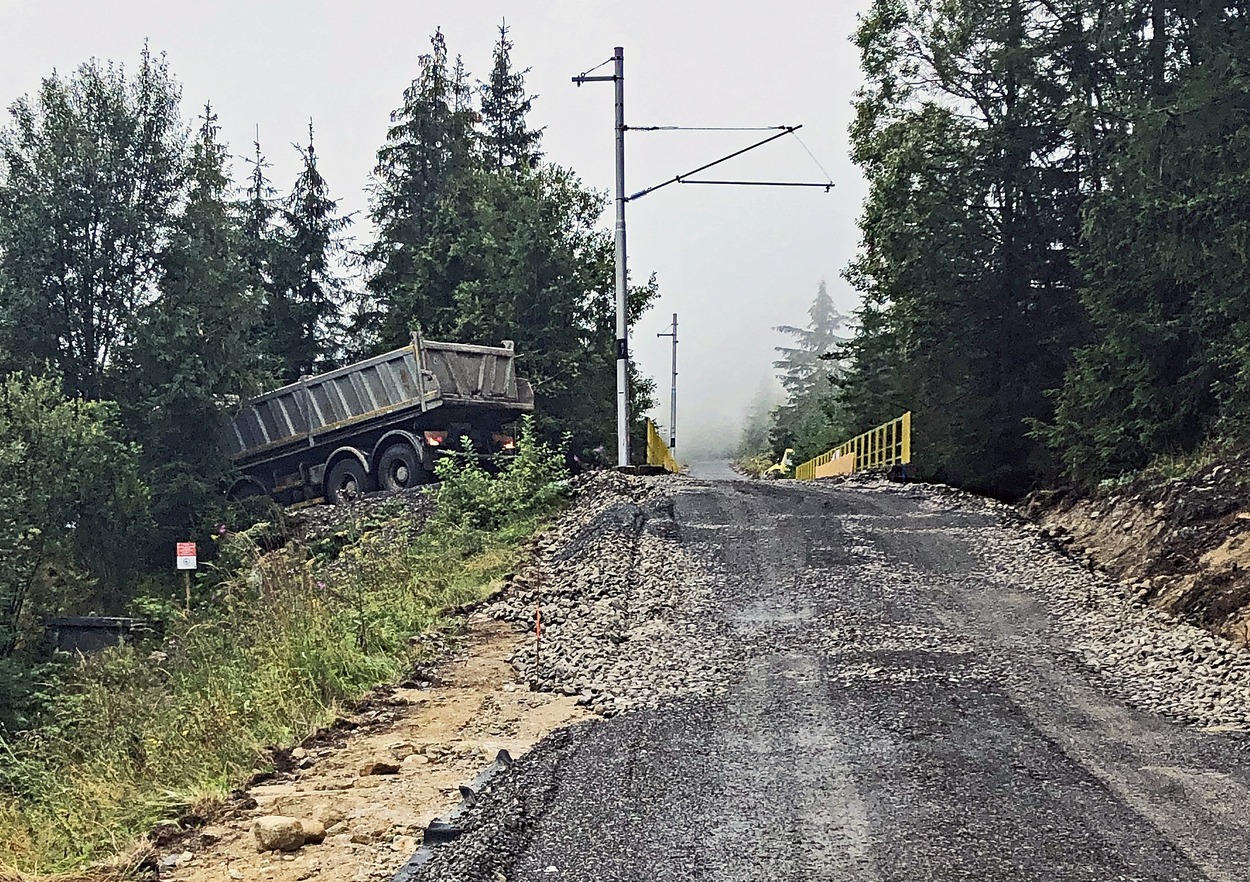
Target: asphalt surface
x=902, y=711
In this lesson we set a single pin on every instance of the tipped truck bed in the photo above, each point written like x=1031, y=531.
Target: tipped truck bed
x=285, y=441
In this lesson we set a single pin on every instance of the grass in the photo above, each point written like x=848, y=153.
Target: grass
x=138, y=737
x=1169, y=467
x=1178, y=466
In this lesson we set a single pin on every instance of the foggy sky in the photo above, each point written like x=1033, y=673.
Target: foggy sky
x=732, y=262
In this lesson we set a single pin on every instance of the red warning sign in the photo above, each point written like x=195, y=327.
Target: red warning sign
x=185, y=552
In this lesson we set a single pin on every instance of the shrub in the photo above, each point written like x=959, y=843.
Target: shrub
x=529, y=482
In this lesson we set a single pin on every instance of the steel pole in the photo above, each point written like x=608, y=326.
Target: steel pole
x=672, y=415
x=622, y=318
x=672, y=419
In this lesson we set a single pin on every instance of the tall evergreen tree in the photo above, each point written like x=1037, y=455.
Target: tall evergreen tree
x=1164, y=250
x=194, y=353
x=258, y=211
x=805, y=367
x=807, y=371
x=507, y=140
x=306, y=311
x=421, y=170
x=966, y=131
x=92, y=169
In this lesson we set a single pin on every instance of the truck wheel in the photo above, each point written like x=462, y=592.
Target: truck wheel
x=244, y=489
x=347, y=481
x=399, y=468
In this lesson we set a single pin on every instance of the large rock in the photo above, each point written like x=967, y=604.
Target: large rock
x=314, y=831
x=278, y=833
x=329, y=815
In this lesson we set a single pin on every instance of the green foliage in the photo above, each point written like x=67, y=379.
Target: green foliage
x=134, y=737
x=1054, y=241
x=1164, y=255
x=754, y=465
x=807, y=372
x=973, y=130
x=91, y=171
x=507, y=140
x=419, y=176
x=529, y=483
x=194, y=352
x=306, y=310
x=74, y=505
x=478, y=241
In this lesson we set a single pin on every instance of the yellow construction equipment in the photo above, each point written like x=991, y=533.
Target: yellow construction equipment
x=782, y=468
x=889, y=444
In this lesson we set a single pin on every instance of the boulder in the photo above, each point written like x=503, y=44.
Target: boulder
x=278, y=833
x=314, y=831
x=329, y=815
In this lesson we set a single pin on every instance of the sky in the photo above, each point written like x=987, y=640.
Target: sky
x=732, y=262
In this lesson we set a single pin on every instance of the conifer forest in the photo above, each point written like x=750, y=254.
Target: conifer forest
x=1053, y=267
x=144, y=293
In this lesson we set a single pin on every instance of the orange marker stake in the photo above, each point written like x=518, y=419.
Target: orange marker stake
x=538, y=636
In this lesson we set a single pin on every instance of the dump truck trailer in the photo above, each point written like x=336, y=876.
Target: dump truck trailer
x=378, y=423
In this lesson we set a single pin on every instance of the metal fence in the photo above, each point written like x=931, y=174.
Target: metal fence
x=658, y=453
x=887, y=445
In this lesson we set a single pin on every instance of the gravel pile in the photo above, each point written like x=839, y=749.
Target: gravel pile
x=1146, y=656
x=414, y=505
x=620, y=601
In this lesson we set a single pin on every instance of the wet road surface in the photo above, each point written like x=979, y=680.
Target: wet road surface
x=904, y=710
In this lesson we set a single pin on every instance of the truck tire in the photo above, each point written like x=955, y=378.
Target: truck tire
x=347, y=481
x=399, y=468
x=245, y=488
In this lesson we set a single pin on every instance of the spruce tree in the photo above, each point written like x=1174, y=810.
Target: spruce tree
x=507, y=140
x=1164, y=252
x=420, y=174
x=307, y=309
x=258, y=210
x=807, y=371
x=971, y=139
x=194, y=352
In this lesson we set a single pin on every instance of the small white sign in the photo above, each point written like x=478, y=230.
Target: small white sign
x=185, y=552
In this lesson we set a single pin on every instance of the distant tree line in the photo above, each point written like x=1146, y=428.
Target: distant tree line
x=1054, y=261
x=144, y=294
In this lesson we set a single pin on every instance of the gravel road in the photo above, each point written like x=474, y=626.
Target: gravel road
x=884, y=683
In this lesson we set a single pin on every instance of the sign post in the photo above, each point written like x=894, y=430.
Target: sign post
x=185, y=554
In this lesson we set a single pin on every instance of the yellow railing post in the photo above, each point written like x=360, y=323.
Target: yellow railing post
x=880, y=447
x=658, y=452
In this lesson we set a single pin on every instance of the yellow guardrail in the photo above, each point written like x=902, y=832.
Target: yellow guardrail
x=886, y=445
x=658, y=452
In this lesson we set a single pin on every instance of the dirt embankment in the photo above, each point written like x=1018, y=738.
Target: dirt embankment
x=1183, y=544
